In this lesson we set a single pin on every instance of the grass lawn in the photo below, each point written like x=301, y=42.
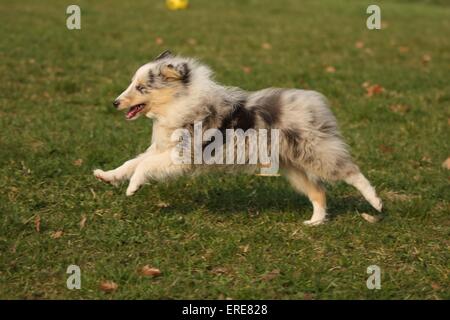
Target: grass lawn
x=220, y=236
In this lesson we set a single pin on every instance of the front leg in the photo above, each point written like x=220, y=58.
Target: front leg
x=157, y=167
x=124, y=172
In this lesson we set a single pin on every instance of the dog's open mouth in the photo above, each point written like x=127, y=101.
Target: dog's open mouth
x=134, y=110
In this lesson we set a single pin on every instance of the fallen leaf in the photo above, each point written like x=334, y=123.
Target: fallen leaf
x=149, y=271
x=330, y=69
x=192, y=41
x=365, y=84
x=359, y=44
x=163, y=204
x=246, y=70
x=308, y=296
x=245, y=248
x=78, y=162
x=386, y=149
x=403, y=49
x=271, y=275
x=370, y=218
x=446, y=164
x=426, y=159
x=368, y=51
x=219, y=270
x=426, y=58
x=435, y=286
x=159, y=41
x=399, y=108
x=83, y=221
x=37, y=223
x=266, y=45
x=373, y=90
x=57, y=234
x=108, y=286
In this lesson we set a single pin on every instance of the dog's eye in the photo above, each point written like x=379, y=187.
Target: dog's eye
x=140, y=88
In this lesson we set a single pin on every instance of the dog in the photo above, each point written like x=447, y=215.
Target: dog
x=177, y=92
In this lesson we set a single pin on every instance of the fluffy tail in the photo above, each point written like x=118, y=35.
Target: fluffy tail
x=363, y=185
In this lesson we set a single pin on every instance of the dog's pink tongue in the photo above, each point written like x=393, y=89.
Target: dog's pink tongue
x=132, y=112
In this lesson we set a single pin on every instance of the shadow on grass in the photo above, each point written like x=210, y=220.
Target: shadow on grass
x=228, y=195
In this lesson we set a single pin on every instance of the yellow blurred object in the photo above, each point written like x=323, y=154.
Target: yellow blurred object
x=177, y=4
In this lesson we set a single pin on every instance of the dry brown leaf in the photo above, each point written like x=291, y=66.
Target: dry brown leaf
x=159, y=41
x=435, y=286
x=359, y=44
x=403, y=49
x=149, y=271
x=399, y=108
x=426, y=58
x=57, y=234
x=83, y=221
x=308, y=296
x=78, y=162
x=386, y=149
x=370, y=218
x=192, y=41
x=220, y=270
x=246, y=69
x=330, y=69
x=245, y=248
x=37, y=223
x=108, y=286
x=368, y=51
x=163, y=204
x=373, y=90
x=271, y=275
x=365, y=84
x=266, y=45
x=426, y=159
x=446, y=164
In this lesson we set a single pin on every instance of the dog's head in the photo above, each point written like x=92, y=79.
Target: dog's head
x=155, y=85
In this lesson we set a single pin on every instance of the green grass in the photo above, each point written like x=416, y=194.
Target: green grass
x=56, y=90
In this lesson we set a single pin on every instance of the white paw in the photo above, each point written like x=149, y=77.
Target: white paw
x=131, y=190
x=314, y=222
x=100, y=174
x=377, y=204
x=105, y=177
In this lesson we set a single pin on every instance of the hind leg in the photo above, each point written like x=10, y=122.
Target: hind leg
x=361, y=183
x=315, y=192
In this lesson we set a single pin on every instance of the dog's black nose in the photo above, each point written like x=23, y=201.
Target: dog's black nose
x=116, y=103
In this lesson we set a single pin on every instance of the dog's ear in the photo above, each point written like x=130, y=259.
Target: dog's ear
x=178, y=72
x=163, y=55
